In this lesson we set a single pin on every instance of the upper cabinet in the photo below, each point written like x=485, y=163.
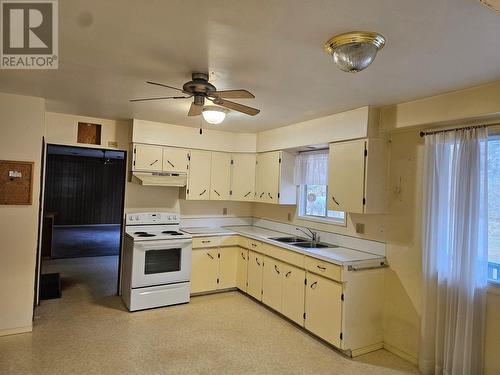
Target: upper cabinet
x=147, y=158
x=151, y=158
x=243, y=177
x=175, y=160
x=274, y=178
x=357, y=172
x=200, y=163
x=220, y=178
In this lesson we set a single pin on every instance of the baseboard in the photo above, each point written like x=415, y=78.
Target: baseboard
x=400, y=353
x=366, y=349
x=15, y=331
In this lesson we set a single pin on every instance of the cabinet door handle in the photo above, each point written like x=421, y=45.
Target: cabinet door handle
x=314, y=285
x=203, y=192
x=270, y=196
x=168, y=161
x=254, y=244
x=247, y=194
x=210, y=255
x=257, y=261
x=288, y=273
x=337, y=203
x=156, y=161
x=321, y=268
x=216, y=192
x=206, y=241
x=276, y=269
x=243, y=256
x=261, y=195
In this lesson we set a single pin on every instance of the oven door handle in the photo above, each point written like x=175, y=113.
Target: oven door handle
x=165, y=245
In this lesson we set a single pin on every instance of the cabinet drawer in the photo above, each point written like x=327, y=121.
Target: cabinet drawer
x=229, y=241
x=286, y=256
x=332, y=271
x=201, y=242
x=248, y=243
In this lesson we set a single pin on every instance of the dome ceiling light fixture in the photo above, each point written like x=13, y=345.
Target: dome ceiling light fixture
x=214, y=115
x=354, y=51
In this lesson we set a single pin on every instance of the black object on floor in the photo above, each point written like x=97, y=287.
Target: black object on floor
x=85, y=241
x=50, y=286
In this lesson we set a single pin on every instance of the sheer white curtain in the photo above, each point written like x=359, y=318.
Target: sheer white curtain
x=455, y=254
x=311, y=168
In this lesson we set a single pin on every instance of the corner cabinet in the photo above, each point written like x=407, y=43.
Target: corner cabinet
x=357, y=176
x=274, y=178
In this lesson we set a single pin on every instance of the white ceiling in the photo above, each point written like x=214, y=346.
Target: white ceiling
x=108, y=49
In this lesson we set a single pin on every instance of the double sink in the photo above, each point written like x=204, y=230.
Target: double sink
x=302, y=242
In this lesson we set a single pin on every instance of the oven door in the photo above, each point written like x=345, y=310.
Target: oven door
x=161, y=262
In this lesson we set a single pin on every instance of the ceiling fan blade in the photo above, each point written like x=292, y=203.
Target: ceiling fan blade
x=234, y=94
x=195, y=110
x=159, y=98
x=236, y=106
x=167, y=86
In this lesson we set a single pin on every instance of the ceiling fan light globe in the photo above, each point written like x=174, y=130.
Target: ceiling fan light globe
x=214, y=115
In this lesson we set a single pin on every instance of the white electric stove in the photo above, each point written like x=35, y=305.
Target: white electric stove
x=156, y=261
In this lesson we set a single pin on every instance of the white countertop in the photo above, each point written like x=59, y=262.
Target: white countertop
x=337, y=255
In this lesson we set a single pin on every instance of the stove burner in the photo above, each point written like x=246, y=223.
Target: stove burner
x=172, y=232
x=144, y=234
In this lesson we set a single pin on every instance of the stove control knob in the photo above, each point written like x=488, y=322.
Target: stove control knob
x=169, y=218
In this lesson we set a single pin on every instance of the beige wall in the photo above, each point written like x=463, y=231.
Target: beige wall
x=478, y=103
x=190, y=137
x=21, y=129
x=356, y=123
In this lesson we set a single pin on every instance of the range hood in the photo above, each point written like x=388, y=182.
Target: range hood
x=160, y=179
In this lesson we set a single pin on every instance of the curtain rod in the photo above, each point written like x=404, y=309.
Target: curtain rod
x=430, y=132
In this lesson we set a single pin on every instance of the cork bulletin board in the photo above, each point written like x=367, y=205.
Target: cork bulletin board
x=16, y=182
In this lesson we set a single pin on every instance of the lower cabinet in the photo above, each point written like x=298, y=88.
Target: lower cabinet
x=272, y=284
x=242, y=269
x=323, y=308
x=283, y=289
x=205, y=270
x=293, y=293
x=228, y=258
x=254, y=278
x=343, y=308
x=213, y=269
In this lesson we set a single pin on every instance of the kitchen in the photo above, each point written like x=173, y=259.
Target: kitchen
x=385, y=230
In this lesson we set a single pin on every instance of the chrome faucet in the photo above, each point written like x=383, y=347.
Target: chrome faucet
x=312, y=235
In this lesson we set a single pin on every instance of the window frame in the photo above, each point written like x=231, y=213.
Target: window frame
x=302, y=198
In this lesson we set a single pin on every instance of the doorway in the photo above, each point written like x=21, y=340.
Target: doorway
x=82, y=224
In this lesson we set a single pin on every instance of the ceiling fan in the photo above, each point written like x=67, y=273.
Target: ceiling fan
x=200, y=89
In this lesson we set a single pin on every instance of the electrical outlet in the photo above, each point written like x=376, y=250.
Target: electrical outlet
x=113, y=144
x=224, y=211
x=360, y=228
